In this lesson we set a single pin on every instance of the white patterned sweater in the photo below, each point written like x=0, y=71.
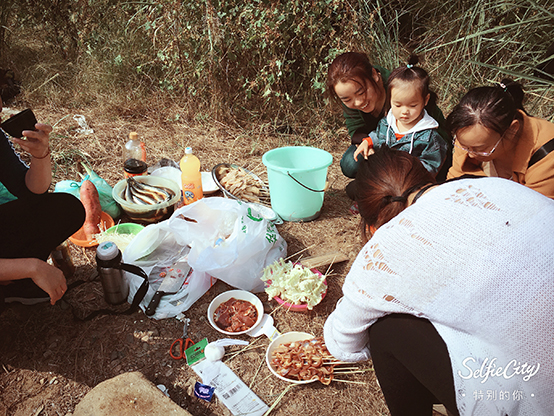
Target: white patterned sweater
x=476, y=258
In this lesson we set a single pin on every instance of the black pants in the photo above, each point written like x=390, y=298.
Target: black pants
x=412, y=365
x=33, y=227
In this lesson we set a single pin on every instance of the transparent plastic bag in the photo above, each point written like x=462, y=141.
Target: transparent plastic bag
x=229, y=240
x=155, y=249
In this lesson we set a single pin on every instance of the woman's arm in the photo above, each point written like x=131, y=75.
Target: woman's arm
x=47, y=277
x=39, y=175
x=346, y=331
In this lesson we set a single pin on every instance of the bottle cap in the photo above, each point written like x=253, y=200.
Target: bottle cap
x=133, y=135
x=188, y=150
x=107, y=251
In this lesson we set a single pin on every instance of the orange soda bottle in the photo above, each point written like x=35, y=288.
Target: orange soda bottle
x=191, y=178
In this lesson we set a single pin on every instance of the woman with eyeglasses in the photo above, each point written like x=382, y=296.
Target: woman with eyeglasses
x=451, y=297
x=494, y=136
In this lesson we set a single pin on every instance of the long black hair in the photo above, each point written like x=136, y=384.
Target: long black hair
x=494, y=107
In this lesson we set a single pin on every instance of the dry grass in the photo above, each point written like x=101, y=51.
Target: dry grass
x=49, y=342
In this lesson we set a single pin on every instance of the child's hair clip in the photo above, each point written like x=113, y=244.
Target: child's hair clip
x=409, y=66
x=503, y=86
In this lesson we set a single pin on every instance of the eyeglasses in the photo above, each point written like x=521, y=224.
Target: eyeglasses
x=473, y=152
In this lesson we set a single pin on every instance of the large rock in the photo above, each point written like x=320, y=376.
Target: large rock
x=128, y=394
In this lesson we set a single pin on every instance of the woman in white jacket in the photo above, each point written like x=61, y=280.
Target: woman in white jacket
x=453, y=292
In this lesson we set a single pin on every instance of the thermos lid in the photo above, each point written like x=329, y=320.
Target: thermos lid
x=107, y=251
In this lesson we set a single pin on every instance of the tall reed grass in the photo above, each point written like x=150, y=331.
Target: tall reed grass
x=266, y=62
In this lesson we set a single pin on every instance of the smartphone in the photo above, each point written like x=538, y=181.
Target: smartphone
x=14, y=126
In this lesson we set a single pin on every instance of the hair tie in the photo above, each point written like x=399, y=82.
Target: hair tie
x=503, y=86
x=409, y=66
x=390, y=198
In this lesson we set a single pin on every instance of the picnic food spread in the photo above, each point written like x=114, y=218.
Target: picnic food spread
x=304, y=360
x=235, y=315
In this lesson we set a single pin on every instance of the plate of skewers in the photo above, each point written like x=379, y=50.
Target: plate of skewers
x=301, y=358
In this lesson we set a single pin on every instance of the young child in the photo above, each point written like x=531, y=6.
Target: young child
x=408, y=126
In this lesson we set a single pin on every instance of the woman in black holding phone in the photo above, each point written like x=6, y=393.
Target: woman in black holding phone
x=32, y=220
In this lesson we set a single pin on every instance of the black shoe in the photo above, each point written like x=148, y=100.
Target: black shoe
x=351, y=190
x=24, y=291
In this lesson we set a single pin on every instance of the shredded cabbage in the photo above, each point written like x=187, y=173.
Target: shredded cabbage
x=120, y=240
x=294, y=283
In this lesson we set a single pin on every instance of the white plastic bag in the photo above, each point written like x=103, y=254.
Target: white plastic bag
x=229, y=240
x=154, y=249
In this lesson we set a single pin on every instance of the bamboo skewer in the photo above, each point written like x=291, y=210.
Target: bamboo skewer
x=250, y=346
x=300, y=251
x=256, y=374
x=349, y=381
x=276, y=402
x=351, y=371
x=333, y=362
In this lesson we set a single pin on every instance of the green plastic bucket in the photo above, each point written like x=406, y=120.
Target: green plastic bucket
x=297, y=177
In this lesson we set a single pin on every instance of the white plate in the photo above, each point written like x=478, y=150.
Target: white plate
x=169, y=172
x=240, y=295
x=208, y=184
x=283, y=339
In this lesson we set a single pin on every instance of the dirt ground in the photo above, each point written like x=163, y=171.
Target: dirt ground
x=50, y=359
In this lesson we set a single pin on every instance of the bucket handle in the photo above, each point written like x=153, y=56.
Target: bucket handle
x=301, y=184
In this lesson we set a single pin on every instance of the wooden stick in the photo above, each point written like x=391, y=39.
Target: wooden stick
x=323, y=260
x=349, y=381
x=350, y=371
x=276, y=402
x=298, y=252
x=336, y=362
x=256, y=374
x=247, y=347
x=45, y=82
x=281, y=305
